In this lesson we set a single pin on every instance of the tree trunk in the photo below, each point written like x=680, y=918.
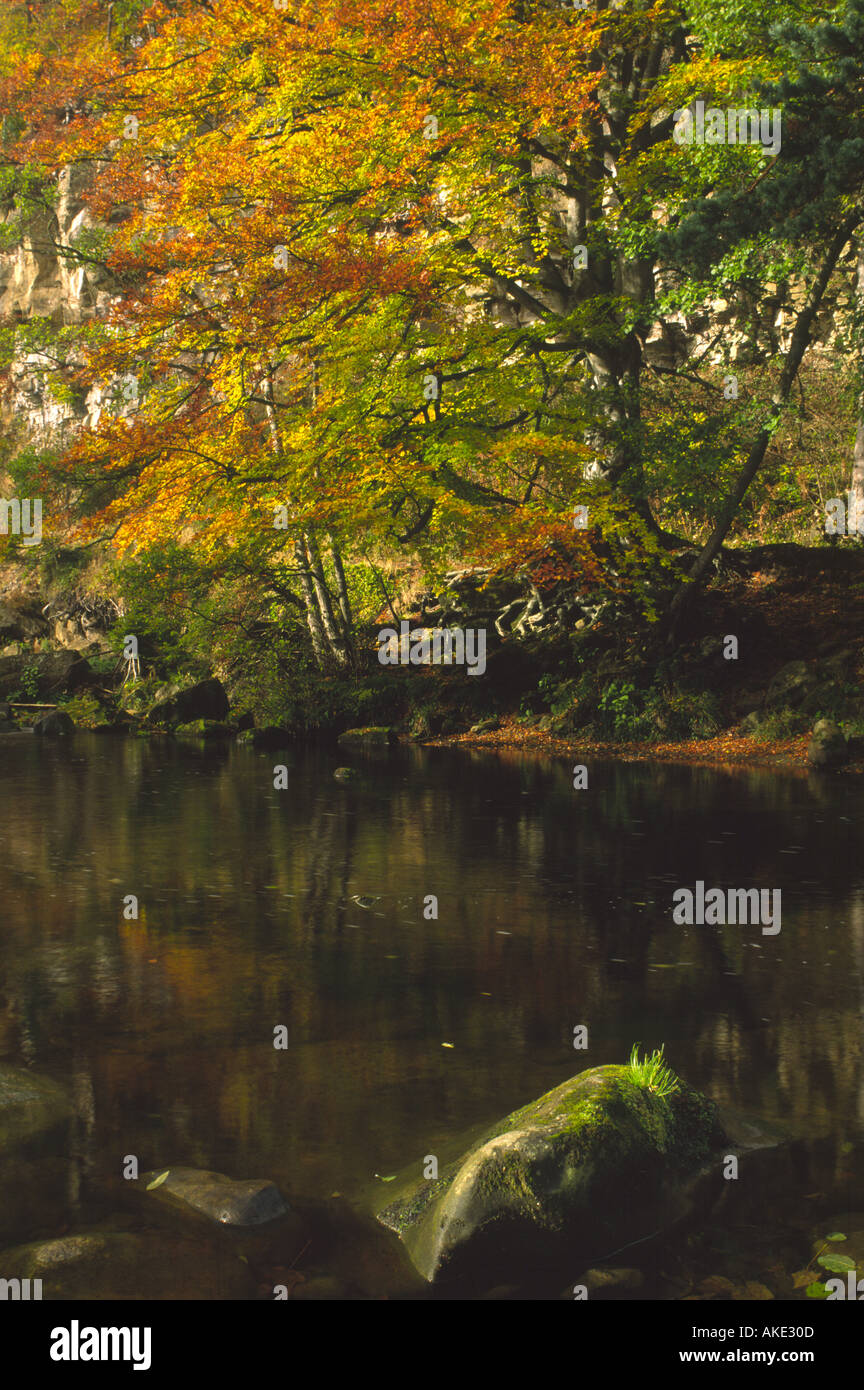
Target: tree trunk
x=331, y=624
x=313, y=613
x=320, y=645
x=342, y=590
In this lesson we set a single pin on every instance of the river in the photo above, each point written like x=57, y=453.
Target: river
x=308, y=909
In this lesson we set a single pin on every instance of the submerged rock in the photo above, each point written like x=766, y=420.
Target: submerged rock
x=828, y=747
x=35, y=1188
x=112, y=1265
x=341, y=1248
x=232, y=1203
x=610, y=1283
x=598, y=1162
x=31, y=1107
x=35, y=1117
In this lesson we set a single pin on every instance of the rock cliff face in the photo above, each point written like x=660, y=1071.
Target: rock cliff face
x=39, y=279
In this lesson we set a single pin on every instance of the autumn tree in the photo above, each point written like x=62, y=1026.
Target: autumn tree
x=380, y=278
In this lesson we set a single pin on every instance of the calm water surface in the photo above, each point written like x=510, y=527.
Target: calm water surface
x=305, y=908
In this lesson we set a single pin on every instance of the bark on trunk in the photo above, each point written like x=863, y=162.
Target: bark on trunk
x=342, y=590
x=331, y=624
x=321, y=647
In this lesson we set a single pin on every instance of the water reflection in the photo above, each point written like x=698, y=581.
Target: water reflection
x=554, y=909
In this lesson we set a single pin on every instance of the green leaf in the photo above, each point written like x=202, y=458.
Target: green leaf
x=838, y=1264
x=817, y=1290
x=836, y=1235
x=157, y=1182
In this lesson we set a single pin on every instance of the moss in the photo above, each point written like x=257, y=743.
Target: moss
x=573, y=1150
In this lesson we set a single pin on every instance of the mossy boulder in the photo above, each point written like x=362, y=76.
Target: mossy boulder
x=204, y=728
x=828, y=748
x=486, y=726
x=373, y=737
x=593, y=1165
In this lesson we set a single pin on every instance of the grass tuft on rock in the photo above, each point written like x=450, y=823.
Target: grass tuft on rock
x=652, y=1073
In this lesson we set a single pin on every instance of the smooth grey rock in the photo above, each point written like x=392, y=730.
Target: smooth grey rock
x=248, y=1202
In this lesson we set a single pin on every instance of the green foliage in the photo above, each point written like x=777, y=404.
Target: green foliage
x=84, y=709
x=30, y=680
x=652, y=1073
x=742, y=26
x=625, y=711
x=621, y=710
x=836, y=1264
x=833, y=1262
